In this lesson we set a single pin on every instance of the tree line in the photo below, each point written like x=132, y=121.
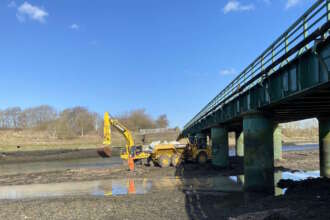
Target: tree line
x=73, y=122
x=139, y=119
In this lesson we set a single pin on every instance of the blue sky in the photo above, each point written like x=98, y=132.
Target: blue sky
x=166, y=56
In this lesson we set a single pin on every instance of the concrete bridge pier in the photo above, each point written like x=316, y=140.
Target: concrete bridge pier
x=220, y=157
x=258, y=153
x=324, y=141
x=239, y=143
x=277, y=135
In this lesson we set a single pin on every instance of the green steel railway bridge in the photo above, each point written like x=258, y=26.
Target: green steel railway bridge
x=289, y=81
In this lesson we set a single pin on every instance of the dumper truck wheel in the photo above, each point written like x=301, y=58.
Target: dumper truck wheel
x=202, y=158
x=150, y=162
x=164, y=161
x=175, y=160
x=138, y=162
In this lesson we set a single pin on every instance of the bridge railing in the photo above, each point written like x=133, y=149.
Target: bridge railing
x=293, y=42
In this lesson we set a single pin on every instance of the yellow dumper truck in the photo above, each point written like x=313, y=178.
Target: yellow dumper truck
x=162, y=154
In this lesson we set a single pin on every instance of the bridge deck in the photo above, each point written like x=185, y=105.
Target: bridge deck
x=288, y=81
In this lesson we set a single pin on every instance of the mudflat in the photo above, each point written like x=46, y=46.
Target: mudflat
x=192, y=198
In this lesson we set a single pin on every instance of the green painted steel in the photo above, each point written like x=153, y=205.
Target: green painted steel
x=303, y=73
x=220, y=156
x=328, y=9
x=239, y=144
x=277, y=134
x=289, y=81
x=324, y=136
x=258, y=153
x=292, y=64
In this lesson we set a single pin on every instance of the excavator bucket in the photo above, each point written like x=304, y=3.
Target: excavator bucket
x=106, y=150
x=106, y=130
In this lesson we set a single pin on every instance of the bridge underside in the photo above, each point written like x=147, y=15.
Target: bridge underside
x=298, y=90
x=312, y=103
x=289, y=81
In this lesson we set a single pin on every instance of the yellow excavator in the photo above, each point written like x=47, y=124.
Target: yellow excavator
x=162, y=154
x=135, y=152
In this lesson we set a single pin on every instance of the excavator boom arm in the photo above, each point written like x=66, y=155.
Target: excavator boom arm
x=106, y=129
x=108, y=122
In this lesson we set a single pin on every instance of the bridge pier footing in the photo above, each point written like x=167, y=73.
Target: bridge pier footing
x=258, y=153
x=239, y=143
x=277, y=135
x=220, y=157
x=324, y=141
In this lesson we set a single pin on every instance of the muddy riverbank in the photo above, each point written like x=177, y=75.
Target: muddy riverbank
x=173, y=204
x=299, y=160
x=186, y=192
x=96, y=167
x=51, y=155
x=167, y=201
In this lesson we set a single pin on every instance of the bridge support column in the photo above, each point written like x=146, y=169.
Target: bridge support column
x=277, y=135
x=324, y=141
x=258, y=153
x=239, y=143
x=220, y=157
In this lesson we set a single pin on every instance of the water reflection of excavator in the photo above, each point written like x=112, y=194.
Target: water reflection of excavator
x=135, y=152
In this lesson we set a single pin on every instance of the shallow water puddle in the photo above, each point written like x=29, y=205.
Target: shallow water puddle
x=286, y=148
x=296, y=176
x=117, y=187
x=300, y=175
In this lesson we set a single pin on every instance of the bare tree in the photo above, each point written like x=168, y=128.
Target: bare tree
x=75, y=121
x=72, y=122
x=10, y=117
x=137, y=119
x=15, y=116
x=2, y=119
x=84, y=120
x=38, y=117
x=162, y=121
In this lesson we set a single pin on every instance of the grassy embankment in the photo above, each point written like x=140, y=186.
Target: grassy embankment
x=30, y=140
